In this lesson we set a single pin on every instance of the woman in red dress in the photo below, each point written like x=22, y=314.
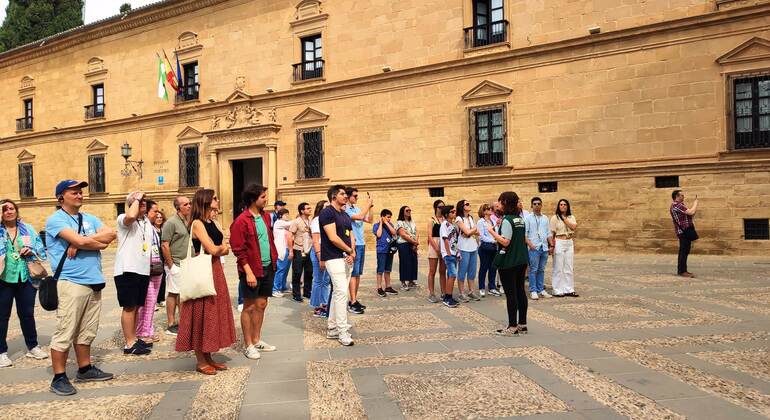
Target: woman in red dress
x=206, y=324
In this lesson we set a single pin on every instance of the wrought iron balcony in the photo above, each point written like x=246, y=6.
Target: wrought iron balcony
x=94, y=111
x=24, y=123
x=486, y=34
x=308, y=70
x=188, y=93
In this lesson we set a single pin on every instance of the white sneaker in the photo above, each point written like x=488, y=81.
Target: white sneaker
x=482, y=293
x=37, y=353
x=533, y=296
x=262, y=346
x=252, y=353
x=345, y=339
x=5, y=361
x=332, y=334
x=545, y=294
x=494, y=292
x=240, y=307
x=277, y=294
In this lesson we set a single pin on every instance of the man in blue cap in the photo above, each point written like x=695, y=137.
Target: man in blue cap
x=76, y=239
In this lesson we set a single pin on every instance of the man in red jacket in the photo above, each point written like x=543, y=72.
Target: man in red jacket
x=251, y=240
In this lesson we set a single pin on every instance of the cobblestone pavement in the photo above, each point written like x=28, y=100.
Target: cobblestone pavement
x=639, y=342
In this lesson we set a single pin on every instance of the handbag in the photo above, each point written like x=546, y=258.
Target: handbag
x=156, y=264
x=196, y=276
x=48, y=293
x=393, y=246
x=36, y=269
x=690, y=233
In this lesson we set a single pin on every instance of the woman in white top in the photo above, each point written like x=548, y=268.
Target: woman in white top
x=319, y=295
x=563, y=225
x=487, y=252
x=408, y=242
x=435, y=262
x=466, y=243
x=282, y=238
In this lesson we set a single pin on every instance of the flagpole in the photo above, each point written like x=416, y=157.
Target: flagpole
x=170, y=68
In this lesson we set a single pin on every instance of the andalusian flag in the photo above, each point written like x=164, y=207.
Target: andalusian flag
x=162, y=79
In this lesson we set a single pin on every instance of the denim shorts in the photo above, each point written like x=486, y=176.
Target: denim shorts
x=358, y=264
x=384, y=262
x=451, y=265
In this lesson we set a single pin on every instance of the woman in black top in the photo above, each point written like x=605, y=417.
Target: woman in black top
x=434, y=253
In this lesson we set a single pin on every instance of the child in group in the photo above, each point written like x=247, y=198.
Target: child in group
x=384, y=231
x=449, y=253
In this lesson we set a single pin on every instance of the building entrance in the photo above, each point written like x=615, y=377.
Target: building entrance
x=245, y=172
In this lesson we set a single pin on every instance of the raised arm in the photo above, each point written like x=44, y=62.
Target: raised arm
x=132, y=212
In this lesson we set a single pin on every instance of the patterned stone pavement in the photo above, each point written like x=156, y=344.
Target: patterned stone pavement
x=638, y=343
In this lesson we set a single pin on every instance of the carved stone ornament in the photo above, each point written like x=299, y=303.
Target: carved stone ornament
x=240, y=83
x=308, y=8
x=243, y=116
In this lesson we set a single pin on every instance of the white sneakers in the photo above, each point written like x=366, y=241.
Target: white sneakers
x=533, y=296
x=495, y=292
x=482, y=293
x=545, y=294
x=344, y=338
x=37, y=353
x=5, y=361
x=277, y=294
x=262, y=346
x=252, y=353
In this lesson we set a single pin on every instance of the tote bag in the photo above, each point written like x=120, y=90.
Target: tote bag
x=196, y=276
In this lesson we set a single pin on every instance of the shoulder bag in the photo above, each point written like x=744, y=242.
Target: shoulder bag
x=196, y=276
x=48, y=292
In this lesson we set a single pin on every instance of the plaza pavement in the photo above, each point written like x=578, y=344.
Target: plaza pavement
x=639, y=342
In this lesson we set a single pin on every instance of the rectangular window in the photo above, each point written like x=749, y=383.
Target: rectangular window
x=26, y=181
x=25, y=122
x=666, y=181
x=188, y=165
x=752, y=112
x=96, y=181
x=489, y=25
x=191, y=86
x=96, y=108
x=436, y=191
x=547, y=187
x=756, y=229
x=488, y=136
x=120, y=208
x=312, y=64
x=311, y=152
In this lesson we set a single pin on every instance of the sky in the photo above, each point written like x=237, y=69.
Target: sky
x=95, y=9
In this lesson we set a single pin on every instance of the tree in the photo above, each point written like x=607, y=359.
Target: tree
x=125, y=8
x=30, y=20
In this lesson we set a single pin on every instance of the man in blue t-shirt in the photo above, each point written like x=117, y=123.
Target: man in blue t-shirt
x=338, y=251
x=75, y=239
x=358, y=216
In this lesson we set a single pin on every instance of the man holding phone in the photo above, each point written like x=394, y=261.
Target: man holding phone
x=685, y=230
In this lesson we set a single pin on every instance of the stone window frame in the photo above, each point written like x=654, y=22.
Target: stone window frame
x=183, y=165
x=26, y=190
x=472, y=141
x=309, y=20
x=729, y=89
x=96, y=148
x=468, y=21
x=301, y=152
x=188, y=50
x=93, y=184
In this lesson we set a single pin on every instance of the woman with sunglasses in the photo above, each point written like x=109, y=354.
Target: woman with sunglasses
x=563, y=225
x=466, y=243
x=408, y=242
x=435, y=262
x=19, y=243
x=487, y=252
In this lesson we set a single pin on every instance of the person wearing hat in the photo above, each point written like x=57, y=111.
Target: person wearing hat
x=276, y=206
x=77, y=239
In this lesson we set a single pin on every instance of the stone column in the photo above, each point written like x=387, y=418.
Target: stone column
x=272, y=174
x=214, y=171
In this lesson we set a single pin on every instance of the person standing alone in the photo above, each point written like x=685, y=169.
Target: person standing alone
x=685, y=230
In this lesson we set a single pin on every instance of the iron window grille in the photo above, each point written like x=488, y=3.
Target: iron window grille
x=751, y=107
x=26, y=181
x=25, y=122
x=188, y=166
x=489, y=27
x=312, y=64
x=96, y=108
x=487, y=136
x=670, y=181
x=756, y=229
x=436, y=192
x=547, y=187
x=96, y=174
x=310, y=153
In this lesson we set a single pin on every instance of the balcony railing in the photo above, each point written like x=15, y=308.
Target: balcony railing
x=24, y=123
x=188, y=93
x=94, y=111
x=309, y=70
x=486, y=34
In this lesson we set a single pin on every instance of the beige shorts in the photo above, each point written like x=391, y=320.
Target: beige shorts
x=172, y=279
x=432, y=253
x=77, y=316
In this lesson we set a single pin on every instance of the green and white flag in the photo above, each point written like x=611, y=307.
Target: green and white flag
x=162, y=80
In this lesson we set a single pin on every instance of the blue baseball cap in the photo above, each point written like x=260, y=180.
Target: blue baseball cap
x=67, y=184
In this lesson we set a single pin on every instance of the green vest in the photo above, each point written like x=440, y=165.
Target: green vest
x=516, y=251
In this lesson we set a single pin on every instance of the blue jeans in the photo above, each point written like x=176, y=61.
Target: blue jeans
x=279, y=283
x=24, y=294
x=320, y=293
x=487, y=267
x=537, y=261
x=451, y=266
x=358, y=264
x=466, y=269
x=384, y=262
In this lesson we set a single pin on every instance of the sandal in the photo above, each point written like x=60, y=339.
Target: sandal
x=218, y=366
x=206, y=370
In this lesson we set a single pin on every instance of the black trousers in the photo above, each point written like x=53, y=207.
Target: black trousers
x=162, y=290
x=24, y=295
x=515, y=295
x=684, y=251
x=299, y=265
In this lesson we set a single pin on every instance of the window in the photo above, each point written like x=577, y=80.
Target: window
x=191, y=86
x=25, y=122
x=666, y=181
x=547, y=187
x=188, y=165
x=489, y=27
x=752, y=112
x=311, y=153
x=120, y=208
x=488, y=136
x=436, y=191
x=96, y=108
x=312, y=64
x=96, y=182
x=756, y=229
x=26, y=181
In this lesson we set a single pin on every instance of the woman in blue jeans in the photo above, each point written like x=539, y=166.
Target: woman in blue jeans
x=319, y=295
x=466, y=243
x=19, y=243
x=487, y=252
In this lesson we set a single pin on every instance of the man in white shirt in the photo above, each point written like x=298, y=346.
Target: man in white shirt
x=537, y=234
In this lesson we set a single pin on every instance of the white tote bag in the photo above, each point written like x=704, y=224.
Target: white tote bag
x=196, y=277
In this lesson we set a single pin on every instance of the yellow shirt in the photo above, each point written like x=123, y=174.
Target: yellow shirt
x=558, y=227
